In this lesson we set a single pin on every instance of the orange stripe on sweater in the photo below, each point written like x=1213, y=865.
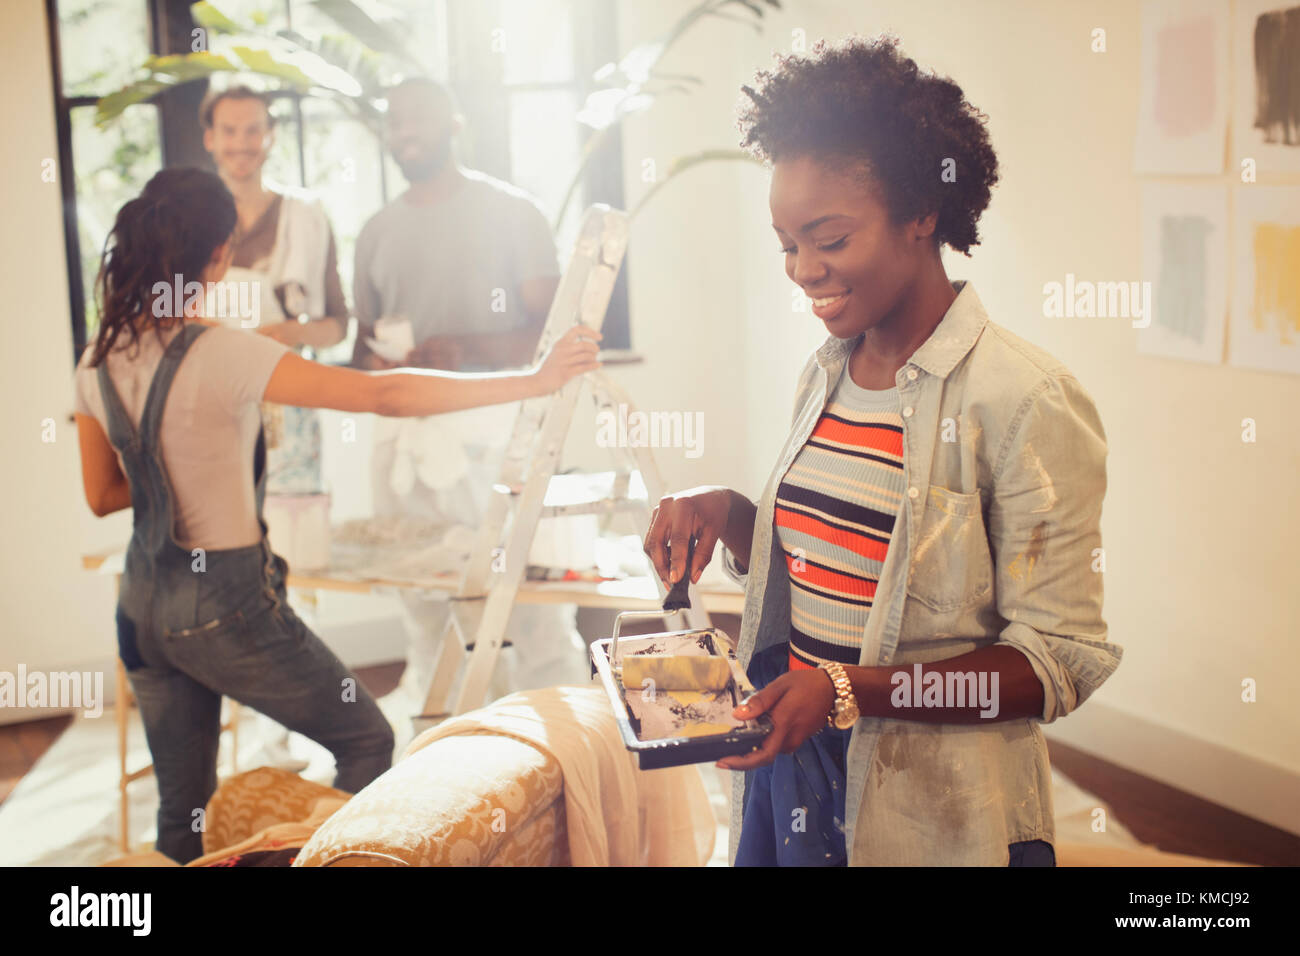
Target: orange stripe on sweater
x=866, y=435
x=857, y=542
x=798, y=665
x=847, y=584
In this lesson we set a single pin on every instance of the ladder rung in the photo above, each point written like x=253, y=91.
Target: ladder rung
x=602, y=506
x=619, y=484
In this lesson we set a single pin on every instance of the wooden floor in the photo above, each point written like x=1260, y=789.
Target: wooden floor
x=1155, y=813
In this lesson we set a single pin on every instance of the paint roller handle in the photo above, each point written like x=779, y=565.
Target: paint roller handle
x=679, y=595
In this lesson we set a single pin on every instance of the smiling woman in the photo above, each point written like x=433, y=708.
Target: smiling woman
x=879, y=554
x=875, y=167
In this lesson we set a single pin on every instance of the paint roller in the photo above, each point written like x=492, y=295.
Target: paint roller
x=669, y=672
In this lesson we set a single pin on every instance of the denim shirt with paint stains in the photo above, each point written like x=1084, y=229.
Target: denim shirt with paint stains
x=997, y=541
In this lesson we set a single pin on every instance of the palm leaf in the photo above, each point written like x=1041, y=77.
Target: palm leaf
x=212, y=19
x=183, y=67
x=374, y=35
x=261, y=61
x=110, y=107
x=346, y=53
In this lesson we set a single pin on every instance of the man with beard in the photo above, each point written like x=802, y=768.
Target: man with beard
x=468, y=259
x=470, y=263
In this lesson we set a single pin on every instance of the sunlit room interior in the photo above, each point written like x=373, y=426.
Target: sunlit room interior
x=508, y=310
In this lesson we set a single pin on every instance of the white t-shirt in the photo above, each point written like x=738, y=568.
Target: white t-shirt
x=209, y=425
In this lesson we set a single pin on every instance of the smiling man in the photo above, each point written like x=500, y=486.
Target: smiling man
x=284, y=240
x=284, y=257
x=470, y=263
x=468, y=259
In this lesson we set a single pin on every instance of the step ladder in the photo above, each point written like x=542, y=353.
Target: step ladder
x=480, y=608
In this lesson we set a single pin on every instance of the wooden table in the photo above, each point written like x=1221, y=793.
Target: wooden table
x=629, y=594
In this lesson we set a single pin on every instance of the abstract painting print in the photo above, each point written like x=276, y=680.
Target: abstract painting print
x=1183, y=104
x=1184, y=257
x=1265, y=325
x=1266, y=98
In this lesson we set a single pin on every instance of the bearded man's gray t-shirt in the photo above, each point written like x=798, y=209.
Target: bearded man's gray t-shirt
x=453, y=267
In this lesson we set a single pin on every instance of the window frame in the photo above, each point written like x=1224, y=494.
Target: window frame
x=171, y=21
x=63, y=106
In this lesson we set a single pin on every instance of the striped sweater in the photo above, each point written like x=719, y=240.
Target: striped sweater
x=835, y=511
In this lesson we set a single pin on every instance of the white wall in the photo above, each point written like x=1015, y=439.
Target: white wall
x=1198, y=527
x=53, y=615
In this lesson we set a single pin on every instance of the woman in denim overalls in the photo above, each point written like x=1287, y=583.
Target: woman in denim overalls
x=198, y=624
x=251, y=647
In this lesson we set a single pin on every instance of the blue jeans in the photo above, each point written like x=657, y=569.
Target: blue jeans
x=266, y=658
x=794, y=808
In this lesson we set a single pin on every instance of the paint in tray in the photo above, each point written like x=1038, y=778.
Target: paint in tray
x=657, y=714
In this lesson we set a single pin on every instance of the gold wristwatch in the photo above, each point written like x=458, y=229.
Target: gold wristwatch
x=845, y=712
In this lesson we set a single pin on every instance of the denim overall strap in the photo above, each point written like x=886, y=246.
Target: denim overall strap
x=152, y=547
x=151, y=499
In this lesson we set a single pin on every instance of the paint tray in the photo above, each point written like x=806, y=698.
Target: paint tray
x=673, y=728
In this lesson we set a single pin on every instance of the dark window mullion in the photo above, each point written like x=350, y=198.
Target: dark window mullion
x=302, y=141
x=297, y=111
x=598, y=42
x=180, y=136
x=487, y=100
x=67, y=187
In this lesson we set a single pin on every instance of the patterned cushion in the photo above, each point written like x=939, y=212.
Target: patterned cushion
x=470, y=800
x=250, y=802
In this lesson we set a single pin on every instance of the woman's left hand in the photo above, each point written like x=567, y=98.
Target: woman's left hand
x=798, y=703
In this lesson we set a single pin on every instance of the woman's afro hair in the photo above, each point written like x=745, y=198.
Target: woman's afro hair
x=862, y=105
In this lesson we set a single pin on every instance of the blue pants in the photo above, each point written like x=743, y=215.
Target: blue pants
x=794, y=810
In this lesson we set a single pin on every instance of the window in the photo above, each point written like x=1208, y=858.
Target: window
x=110, y=166
x=520, y=69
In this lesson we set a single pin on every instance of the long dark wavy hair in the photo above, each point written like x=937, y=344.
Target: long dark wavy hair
x=170, y=229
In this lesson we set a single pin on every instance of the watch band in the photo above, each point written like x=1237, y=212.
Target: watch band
x=843, y=687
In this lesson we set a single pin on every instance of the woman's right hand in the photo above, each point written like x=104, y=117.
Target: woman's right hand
x=699, y=513
x=572, y=354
